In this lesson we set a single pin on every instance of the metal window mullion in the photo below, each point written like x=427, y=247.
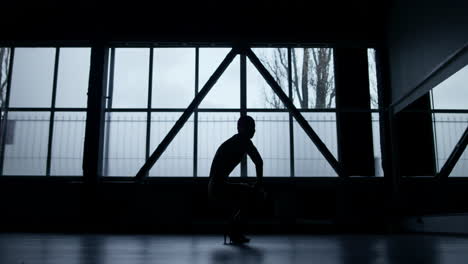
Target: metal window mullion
x=150, y=96
x=436, y=150
x=7, y=104
x=52, y=112
x=291, y=126
x=110, y=95
x=195, y=116
x=243, y=103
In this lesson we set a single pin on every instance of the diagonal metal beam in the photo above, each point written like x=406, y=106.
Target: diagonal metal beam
x=293, y=110
x=454, y=157
x=185, y=116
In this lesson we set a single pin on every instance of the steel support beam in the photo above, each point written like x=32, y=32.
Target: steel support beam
x=141, y=175
x=52, y=112
x=293, y=110
x=94, y=132
x=243, y=104
x=454, y=157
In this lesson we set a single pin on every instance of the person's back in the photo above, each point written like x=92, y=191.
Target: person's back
x=228, y=156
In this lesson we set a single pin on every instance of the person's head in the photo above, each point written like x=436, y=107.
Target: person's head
x=246, y=126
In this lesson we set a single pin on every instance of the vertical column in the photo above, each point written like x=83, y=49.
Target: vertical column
x=93, y=145
x=291, y=118
x=195, y=117
x=415, y=139
x=243, y=103
x=354, y=119
x=390, y=167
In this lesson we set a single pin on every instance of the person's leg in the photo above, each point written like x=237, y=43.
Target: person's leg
x=240, y=199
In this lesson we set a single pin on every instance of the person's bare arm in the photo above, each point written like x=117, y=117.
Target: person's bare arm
x=257, y=160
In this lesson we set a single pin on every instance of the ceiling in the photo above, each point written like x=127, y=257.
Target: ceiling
x=330, y=22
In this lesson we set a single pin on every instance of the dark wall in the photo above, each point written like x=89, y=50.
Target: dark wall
x=194, y=21
x=182, y=205
x=168, y=205
x=421, y=35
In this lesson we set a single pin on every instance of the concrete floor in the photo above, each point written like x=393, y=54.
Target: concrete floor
x=320, y=249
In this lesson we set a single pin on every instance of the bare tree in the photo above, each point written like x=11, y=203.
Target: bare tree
x=4, y=69
x=4, y=59
x=372, y=78
x=278, y=66
x=312, y=76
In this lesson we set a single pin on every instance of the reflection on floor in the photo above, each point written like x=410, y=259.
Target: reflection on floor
x=135, y=249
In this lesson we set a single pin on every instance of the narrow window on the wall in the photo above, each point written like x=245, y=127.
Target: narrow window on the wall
x=374, y=104
x=450, y=95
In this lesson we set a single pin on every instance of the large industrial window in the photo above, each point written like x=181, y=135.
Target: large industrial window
x=171, y=77
x=147, y=91
x=450, y=118
x=45, y=111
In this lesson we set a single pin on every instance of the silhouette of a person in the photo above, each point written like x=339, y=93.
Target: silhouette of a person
x=237, y=196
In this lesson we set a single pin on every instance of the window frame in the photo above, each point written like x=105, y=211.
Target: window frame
x=149, y=109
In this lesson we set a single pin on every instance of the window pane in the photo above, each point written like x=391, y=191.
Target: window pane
x=173, y=77
x=131, y=78
x=33, y=74
x=308, y=161
x=177, y=159
x=226, y=92
x=372, y=79
x=67, y=144
x=124, y=143
x=452, y=93
x=272, y=141
x=213, y=130
x=26, y=145
x=448, y=130
x=73, y=77
x=376, y=140
x=259, y=93
x=313, y=77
